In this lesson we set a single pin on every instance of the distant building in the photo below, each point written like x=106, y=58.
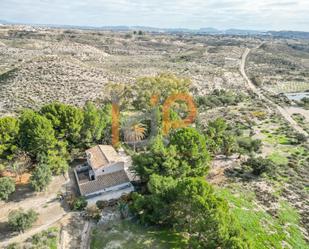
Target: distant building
x=104, y=176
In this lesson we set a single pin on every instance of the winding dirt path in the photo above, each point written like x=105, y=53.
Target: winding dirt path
x=284, y=113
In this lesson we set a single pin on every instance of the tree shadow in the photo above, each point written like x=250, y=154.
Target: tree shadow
x=6, y=232
x=21, y=193
x=240, y=174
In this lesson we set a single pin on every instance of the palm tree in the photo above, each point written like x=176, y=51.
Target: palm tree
x=134, y=131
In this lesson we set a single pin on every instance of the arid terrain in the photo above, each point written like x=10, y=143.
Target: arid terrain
x=73, y=66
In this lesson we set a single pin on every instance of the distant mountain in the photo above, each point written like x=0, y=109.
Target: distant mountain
x=204, y=30
x=290, y=34
x=243, y=32
x=209, y=30
x=4, y=22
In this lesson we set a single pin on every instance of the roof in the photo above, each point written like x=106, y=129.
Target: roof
x=102, y=155
x=104, y=181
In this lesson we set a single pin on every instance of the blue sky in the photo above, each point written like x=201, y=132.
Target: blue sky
x=222, y=14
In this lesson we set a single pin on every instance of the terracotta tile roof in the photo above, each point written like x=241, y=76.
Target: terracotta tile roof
x=104, y=181
x=102, y=155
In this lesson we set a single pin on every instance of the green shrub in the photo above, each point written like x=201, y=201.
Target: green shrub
x=20, y=220
x=79, y=204
x=260, y=165
x=101, y=204
x=7, y=187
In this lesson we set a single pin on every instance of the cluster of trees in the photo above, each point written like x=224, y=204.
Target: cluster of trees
x=177, y=196
x=220, y=98
x=184, y=154
x=223, y=139
x=189, y=205
x=148, y=91
x=48, y=138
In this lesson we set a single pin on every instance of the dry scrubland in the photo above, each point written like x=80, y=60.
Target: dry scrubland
x=73, y=66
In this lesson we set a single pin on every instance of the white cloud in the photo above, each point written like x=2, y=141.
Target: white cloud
x=246, y=14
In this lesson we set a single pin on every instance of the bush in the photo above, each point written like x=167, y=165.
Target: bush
x=102, y=204
x=20, y=220
x=256, y=81
x=220, y=98
x=94, y=213
x=248, y=145
x=79, y=204
x=260, y=165
x=300, y=138
x=7, y=187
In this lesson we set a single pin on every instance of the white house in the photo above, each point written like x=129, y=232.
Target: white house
x=104, y=176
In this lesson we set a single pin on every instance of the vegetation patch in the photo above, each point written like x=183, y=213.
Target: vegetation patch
x=262, y=229
x=278, y=158
x=130, y=235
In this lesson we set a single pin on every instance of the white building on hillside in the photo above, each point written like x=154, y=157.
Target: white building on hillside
x=104, y=176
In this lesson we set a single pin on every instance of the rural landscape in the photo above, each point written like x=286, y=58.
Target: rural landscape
x=236, y=176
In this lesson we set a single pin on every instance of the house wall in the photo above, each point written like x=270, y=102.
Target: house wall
x=110, y=168
x=109, y=196
x=111, y=190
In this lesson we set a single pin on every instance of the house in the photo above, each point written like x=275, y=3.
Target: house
x=104, y=176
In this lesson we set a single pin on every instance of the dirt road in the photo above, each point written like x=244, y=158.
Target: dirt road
x=281, y=110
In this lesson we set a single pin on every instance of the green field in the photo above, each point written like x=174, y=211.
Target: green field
x=129, y=235
x=262, y=229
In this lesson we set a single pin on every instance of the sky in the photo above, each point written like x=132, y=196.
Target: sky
x=221, y=14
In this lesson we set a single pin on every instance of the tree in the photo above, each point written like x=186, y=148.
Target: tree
x=56, y=159
x=155, y=208
x=134, y=131
x=66, y=120
x=191, y=150
x=40, y=177
x=191, y=206
x=204, y=216
x=160, y=159
x=9, y=128
x=7, y=187
x=215, y=132
x=20, y=220
x=36, y=133
x=95, y=122
x=185, y=155
x=162, y=85
x=119, y=93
